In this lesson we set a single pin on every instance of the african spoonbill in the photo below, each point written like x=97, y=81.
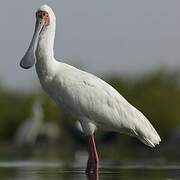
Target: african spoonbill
x=95, y=103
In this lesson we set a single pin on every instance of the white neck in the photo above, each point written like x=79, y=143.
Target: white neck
x=45, y=52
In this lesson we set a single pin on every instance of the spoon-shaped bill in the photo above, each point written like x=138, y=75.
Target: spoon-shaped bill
x=29, y=59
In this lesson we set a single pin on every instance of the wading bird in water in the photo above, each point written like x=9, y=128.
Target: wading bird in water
x=95, y=103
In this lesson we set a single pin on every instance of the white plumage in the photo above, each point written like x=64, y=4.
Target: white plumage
x=95, y=103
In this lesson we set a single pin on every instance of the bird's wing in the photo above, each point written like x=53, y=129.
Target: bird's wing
x=96, y=100
x=101, y=103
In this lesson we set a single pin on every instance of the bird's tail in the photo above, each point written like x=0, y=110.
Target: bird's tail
x=148, y=136
x=150, y=142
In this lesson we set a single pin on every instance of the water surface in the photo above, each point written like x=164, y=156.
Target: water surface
x=60, y=163
x=36, y=170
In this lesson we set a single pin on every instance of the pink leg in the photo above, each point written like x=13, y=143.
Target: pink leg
x=93, y=161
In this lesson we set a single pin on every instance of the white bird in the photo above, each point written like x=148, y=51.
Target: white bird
x=95, y=103
x=29, y=130
x=33, y=127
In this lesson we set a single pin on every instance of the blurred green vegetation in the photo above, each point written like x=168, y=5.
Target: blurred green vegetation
x=156, y=94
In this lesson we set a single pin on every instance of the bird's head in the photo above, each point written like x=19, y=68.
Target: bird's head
x=45, y=21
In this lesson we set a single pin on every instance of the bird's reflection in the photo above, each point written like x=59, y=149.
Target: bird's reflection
x=93, y=176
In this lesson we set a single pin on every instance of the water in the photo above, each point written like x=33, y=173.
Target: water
x=61, y=163
x=36, y=170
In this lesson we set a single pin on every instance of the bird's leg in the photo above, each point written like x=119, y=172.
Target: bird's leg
x=93, y=160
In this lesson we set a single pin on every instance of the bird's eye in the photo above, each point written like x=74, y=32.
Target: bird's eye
x=38, y=13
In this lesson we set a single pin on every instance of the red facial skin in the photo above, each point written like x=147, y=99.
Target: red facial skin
x=43, y=15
